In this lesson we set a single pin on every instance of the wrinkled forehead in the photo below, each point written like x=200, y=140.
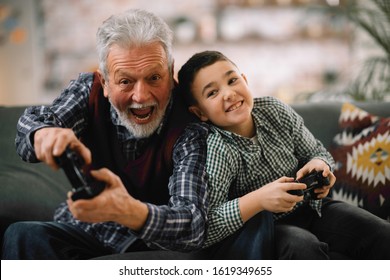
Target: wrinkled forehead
x=138, y=58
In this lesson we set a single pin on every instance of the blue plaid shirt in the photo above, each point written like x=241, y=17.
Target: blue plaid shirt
x=180, y=225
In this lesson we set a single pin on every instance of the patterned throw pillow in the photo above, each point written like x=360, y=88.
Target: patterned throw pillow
x=362, y=154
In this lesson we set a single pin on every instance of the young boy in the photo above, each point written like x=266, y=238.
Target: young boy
x=256, y=150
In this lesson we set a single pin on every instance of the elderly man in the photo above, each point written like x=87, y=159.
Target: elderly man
x=130, y=127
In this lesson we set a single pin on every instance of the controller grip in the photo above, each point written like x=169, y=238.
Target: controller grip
x=296, y=192
x=326, y=181
x=90, y=191
x=83, y=185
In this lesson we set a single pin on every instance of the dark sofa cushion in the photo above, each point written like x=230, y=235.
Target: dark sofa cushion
x=321, y=119
x=28, y=191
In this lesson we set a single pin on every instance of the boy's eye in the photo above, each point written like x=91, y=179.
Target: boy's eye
x=211, y=93
x=232, y=80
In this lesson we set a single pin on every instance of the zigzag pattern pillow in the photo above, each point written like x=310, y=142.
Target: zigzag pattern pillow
x=362, y=154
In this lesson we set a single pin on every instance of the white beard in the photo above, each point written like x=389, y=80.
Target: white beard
x=141, y=130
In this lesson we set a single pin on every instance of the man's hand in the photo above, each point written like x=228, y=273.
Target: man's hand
x=318, y=165
x=113, y=204
x=50, y=142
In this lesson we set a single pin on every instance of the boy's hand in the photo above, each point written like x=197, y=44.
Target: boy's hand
x=276, y=196
x=318, y=165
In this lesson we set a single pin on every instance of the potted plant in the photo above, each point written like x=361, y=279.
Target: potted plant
x=372, y=81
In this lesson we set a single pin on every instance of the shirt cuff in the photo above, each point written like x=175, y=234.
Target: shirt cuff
x=151, y=224
x=233, y=215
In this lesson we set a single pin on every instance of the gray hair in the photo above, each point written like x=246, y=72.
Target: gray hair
x=133, y=28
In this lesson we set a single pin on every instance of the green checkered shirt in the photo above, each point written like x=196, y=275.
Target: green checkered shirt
x=237, y=165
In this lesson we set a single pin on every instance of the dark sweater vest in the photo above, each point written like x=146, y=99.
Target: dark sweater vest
x=147, y=177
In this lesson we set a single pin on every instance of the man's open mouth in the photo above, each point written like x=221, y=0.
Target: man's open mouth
x=235, y=106
x=142, y=114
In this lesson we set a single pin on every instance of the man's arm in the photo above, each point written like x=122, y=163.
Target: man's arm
x=180, y=225
x=69, y=110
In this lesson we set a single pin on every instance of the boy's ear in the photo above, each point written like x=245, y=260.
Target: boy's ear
x=244, y=77
x=196, y=111
x=103, y=82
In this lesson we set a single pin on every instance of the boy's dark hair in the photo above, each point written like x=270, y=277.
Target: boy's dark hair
x=188, y=71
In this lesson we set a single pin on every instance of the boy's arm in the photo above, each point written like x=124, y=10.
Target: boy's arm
x=307, y=147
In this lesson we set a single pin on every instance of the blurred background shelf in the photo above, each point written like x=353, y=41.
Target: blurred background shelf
x=297, y=50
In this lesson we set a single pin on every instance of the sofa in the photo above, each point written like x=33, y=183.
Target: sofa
x=31, y=191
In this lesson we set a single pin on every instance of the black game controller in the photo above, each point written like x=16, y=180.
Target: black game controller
x=312, y=181
x=84, y=186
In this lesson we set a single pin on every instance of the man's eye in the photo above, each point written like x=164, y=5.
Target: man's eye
x=124, y=82
x=156, y=77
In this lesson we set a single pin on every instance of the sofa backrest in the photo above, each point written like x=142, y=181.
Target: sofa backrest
x=322, y=118
x=28, y=191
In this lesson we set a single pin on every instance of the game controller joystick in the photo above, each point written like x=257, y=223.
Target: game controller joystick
x=84, y=186
x=312, y=181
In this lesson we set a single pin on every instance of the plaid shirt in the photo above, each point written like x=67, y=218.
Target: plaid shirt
x=238, y=165
x=176, y=226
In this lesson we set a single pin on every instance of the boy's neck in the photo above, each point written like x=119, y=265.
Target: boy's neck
x=246, y=129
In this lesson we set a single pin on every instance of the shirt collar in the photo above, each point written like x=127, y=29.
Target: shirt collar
x=256, y=118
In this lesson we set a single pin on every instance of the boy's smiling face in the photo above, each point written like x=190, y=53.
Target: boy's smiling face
x=223, y=98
